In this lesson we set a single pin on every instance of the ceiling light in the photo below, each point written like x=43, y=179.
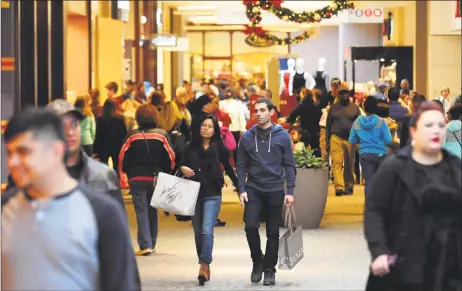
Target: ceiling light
x=382, y=60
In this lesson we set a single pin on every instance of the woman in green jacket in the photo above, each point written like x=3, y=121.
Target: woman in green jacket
x=87, y=125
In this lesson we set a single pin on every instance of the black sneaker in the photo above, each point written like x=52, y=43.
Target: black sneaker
x=270, y=278
x=348, y=191
x=339, y=193
x=220, y=223
x=257, y=272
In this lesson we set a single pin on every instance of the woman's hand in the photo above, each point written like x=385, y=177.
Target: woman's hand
x=188, y=172
x=380, y=266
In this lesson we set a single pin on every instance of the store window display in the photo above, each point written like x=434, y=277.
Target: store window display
x=302, y=79
x=321, y=78
x=288, y=100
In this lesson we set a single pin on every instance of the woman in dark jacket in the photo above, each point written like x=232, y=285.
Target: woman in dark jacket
x=202, y=160
x=310, y=114
x=413, y=215
x=146, y=152
x=110, y=134
x=405, y=140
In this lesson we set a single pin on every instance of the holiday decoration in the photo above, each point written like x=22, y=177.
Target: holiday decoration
x=254, y=11
x=261, y=38
x=266, y=39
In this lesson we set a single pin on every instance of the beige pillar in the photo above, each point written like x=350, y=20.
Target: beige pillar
x=272, y=79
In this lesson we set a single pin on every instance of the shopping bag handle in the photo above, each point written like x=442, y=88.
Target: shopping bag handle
x=291, y=220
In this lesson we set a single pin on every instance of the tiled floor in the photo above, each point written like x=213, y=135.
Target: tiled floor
x=336, y=257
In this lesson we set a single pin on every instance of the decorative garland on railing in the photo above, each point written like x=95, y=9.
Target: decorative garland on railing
x=259, y=37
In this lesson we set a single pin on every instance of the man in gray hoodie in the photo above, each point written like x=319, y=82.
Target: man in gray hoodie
x=266, y=160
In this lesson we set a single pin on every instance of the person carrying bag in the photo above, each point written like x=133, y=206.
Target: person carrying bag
x=291, y=242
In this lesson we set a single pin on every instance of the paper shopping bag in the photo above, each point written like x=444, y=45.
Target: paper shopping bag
x=175, y=194
x=290, y=243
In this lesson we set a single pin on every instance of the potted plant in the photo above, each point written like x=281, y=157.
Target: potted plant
x=311, y=188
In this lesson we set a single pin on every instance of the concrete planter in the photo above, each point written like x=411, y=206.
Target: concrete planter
x=311, y=187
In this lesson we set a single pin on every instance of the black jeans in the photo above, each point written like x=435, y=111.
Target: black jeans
x=104, y=158
x=370, y=164
x=271, y=204
x=237, y=137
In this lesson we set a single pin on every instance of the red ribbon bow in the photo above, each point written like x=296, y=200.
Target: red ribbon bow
x=276, y=3
x=253, y=29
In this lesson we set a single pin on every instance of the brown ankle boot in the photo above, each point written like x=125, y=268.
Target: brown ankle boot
x=204, y=274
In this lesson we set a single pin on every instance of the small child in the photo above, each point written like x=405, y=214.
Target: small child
x=296, y=133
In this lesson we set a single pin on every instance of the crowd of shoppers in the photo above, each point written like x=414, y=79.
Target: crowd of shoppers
x=213, y=131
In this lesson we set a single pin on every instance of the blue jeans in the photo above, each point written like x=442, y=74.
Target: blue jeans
x=203, y=221
x=370, y=164
x=146, y=216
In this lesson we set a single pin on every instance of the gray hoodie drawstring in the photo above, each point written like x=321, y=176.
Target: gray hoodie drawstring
x=256, y=143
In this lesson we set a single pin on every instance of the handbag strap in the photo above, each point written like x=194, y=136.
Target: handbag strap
x=147, y=145
x=457, y=138
x=149, y=151
x=291, y=220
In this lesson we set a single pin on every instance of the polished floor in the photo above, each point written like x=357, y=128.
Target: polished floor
x=336, y=256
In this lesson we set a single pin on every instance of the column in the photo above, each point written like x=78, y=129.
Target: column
x=26, y=57
x=149, y=52
x=177, y=56
x=421, y=43
x=40, y=52
x=8, y=101
x=58, y=48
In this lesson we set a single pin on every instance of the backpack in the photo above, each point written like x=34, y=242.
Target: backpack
x=228, y=139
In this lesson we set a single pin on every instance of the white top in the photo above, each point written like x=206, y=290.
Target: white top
x=236, y=112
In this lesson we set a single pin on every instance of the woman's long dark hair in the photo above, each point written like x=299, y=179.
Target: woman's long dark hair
x=109, y=108
x=196, y=138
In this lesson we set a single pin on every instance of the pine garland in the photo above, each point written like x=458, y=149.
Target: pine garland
x=258, y=36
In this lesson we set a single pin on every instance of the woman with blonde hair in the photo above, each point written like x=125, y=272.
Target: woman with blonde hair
x=172, y=121
x=181, y=101
x=87, y=125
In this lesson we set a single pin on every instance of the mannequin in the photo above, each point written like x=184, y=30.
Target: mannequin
x=321, y=77
x=288, y=100
x=301, y=79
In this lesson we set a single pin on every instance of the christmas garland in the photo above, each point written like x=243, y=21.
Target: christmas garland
x=259, y=37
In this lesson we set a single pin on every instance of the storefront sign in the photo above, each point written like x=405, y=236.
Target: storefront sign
x=164, y=40
x=366, y=15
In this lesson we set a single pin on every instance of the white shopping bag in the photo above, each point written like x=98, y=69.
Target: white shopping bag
x=175, y=194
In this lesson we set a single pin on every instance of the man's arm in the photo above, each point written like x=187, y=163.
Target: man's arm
x=329, y=122
x=289, y=165
x=115, y=193
x=354, y=138
x=241, y=167
x=118, y=268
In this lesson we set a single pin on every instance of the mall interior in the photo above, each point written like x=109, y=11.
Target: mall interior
x=63, y=49
x=56, y=49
